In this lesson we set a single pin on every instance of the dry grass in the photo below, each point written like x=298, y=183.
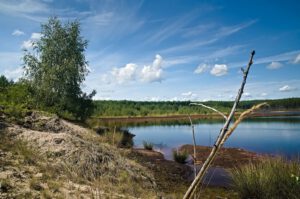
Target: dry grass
x=68, y=160
x=273, y=178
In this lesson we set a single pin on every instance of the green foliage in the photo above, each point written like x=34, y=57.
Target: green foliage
x=273, y=178
x=137, y=108
x=148, y=145
x=180, y=156
x=56, y=69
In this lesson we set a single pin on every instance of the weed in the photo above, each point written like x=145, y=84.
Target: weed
x=148, y=145
x=180, y=156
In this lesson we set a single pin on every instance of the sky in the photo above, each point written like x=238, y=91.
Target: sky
x=156, y=50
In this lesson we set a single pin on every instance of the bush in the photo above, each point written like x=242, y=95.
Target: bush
x=180, y=156
x=148, y=145
x=272, y=178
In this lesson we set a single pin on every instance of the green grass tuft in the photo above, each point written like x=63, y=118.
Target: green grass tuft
x=272, y=178
x=148, y=145
x=180, y=156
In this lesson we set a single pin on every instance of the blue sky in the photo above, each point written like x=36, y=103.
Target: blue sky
x=169, y=50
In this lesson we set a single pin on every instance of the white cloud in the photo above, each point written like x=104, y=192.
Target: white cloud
x=17, y=33
x=188, y=96
x=101, y=19
x=14, y=74
x=219, y=70
x=132, y=72
x=125, y=74
x=201, y=68
x=274, y=65
x=221, y=33
x=187, y=93
x=153, y=73
x=297, y=59
x=286, y=88
x=36, y=36
x=287, y=56
x=28, y=44
x=155, y=99
x=229, y=30
x=247, y=95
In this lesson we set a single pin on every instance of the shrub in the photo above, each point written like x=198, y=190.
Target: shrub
x=148, y=145
x=272, y=178
x=180, y=156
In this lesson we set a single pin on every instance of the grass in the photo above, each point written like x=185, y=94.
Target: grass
x=272, y=178
x=180, y=156
x=148, y=145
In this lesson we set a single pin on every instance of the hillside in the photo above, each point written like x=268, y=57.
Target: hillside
x=50, y=157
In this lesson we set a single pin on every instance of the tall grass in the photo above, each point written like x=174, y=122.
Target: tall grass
x=148, y=145
x=180, y=156
x=273, y=178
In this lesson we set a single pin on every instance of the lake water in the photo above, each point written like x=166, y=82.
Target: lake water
x=280, y=135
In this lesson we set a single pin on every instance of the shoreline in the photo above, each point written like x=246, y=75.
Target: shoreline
x=217, y=176
x=181, y=117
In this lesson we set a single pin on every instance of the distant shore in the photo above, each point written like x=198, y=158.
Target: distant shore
x=162, y=118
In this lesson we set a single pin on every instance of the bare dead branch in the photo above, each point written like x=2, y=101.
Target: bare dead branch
x=218, y=144
x=194, y=143
x=211, y=108
x=239, y=120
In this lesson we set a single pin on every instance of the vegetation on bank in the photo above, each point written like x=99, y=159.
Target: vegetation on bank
x=180, y=156
x=271, y=178
x=148, y=145
x=139, y=108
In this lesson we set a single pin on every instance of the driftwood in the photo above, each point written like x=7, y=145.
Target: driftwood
x=222, y=136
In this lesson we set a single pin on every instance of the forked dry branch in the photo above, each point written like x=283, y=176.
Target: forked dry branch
x=224, y=133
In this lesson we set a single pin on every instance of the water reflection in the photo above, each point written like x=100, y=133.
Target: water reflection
x=262, y=135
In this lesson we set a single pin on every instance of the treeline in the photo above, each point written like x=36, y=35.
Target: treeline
x=139, y=108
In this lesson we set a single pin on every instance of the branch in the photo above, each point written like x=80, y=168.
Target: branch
x=239, y=120
x=211, y=108
x=194, y=143
x=218, y=144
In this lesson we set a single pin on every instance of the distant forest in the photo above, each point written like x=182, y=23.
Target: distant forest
x=140, y=108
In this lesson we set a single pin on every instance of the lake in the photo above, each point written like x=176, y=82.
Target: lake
x=277, y=135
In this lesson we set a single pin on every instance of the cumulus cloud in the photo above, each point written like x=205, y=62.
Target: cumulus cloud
x=297, y=59
x=17, y=33
x=201, y=68
x=36, y=36
x=153, y=73
x=274, y=65
x=14, y=74
x=125, y=74
x=28, y=44
x=133, y=72
x=286, y=88
x=219, y=70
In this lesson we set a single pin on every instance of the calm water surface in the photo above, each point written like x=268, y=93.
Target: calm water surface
x=263, y=135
